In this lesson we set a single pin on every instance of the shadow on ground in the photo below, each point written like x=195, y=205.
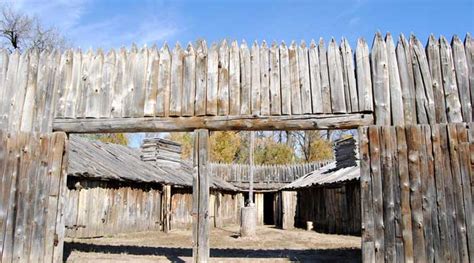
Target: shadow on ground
x=174, y=254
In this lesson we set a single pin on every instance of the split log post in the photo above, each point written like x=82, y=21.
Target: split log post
x=249, y=213
x=201, y=196
x=166, y=206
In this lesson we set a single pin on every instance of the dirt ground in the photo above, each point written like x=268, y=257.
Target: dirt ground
x=270, y=245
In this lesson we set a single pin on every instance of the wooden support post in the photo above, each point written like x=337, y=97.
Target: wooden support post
x=201, y=196
x=288, y=199
x=248, y=219
x=166, y=207
x=251, y=150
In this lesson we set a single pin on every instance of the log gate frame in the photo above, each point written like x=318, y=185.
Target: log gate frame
x=232, y=87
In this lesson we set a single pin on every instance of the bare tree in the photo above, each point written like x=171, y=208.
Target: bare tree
x=20, y=31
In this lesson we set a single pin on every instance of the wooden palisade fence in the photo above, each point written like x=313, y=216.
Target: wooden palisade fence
x=241, y=87
x=32, y=189
x=416, y=187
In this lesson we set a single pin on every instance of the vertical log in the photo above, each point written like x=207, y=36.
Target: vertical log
x=349, y=76
x=176, y=86
x=264, y=79
x=189, y=81
x=294, y=80
x=255, y=65
x=151, y=82
x=462, y=77
x=325, y=87
x=212, y=79
x=315, y=78
x=303, y=68
x=453, y=103
x=275, y=91
x=201, y=196
x=234, y=79
x=223, y=92
x=405, y=70
x=166, y=206
x=164, y=82
x=432, y=51
x=364, y=81
x=338, y=96
x=285, y=80
x=367, y=215
x=388, y=174
x=396, y=101
x=469, y=47
x=245, y=79
x=380, y=81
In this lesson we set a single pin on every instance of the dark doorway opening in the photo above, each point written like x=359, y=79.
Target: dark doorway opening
x=268, y=208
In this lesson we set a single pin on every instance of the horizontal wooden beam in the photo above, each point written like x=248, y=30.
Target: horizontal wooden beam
x=214, y=123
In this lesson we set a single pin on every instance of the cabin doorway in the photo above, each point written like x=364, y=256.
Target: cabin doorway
x=269, y=208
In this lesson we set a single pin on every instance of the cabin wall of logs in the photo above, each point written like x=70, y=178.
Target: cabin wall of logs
x=32, y=179
x=416, y=190
x=333, y=209
x=100, y=208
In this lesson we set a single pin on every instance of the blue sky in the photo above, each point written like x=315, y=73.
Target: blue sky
x=112, y=24
x=109, y=23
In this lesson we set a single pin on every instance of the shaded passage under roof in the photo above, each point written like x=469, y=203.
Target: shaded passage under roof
x=107, y=161
x=328, y=174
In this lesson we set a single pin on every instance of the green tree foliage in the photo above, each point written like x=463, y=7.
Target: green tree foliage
x=186, y=141
x=320, y=150
x=270, y=152
x=225, y=146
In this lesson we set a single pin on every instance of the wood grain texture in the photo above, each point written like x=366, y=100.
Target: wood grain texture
x=396, y=99
x=462, y=77
x=275, y=91
x=380, y=81
x=234, y=79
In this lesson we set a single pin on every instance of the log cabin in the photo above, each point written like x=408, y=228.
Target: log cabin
x=327, y=199
x=115, y=189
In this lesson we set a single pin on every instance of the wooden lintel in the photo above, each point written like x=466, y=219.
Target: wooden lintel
x=214, y=123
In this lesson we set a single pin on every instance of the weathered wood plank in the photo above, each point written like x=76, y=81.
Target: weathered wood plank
x=296, y=107
x=275, y=91
x=349, y=77
x=367, y=214
x=407, y=83
x=439, y=173
x=380, y=81
x=388, y=173
x=304, y=79
x=255, y=78
x=264, y=79
x=223, y=93
x=234, y=79
x=434, y=60
x=108, y=71
x=462, y=77
x=338, y=99
x=469, y=48
x=376, y=178
x=94, y=90
x=31, y=93
x=18, y=95
x=453, y=103
x=413, y=136
x=325, y=87
x=307, y=122
x=201, y=193
x=189, y=81
x=315, y=78
x=176, y=94
x=466, y=172
x=212, y=79
x=460, y=220
x=245, y=79
x=423, y=85
x=128, y=82
x=151, y=82
x=285, y=80
x=164, y=82
x=364, y=80
x=403, y=174
x=396, y=99
x=118, y=91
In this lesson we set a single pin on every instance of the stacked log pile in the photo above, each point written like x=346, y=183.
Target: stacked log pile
x=162, y=151
x=345, y=153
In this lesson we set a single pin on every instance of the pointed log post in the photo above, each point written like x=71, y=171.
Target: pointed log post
x=249, y=213
x=201, y=196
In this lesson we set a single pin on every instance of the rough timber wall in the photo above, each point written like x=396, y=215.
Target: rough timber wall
x=100, y=208
x=32, y=177
x=332, y=209
x=416, y=189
